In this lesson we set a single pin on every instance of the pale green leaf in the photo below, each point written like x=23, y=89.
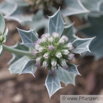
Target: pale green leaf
x=29, y=68
x=81, y=45
x=1, y=49
x=69, y=32
x=28, y=37
x=94, y=29
x=52, y=84
x=18, y=46
x=2, y=24
x=65, y=76
x=6, y=33
x=73, y=7
x=56, y=23
x=7, y=7
x=17, y=66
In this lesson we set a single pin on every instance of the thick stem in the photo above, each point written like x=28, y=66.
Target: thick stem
x=16, y=51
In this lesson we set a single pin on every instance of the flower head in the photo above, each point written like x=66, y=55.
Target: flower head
x=50, y=50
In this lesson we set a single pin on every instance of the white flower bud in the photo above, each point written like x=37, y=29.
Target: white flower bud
x=71, y=56
x=53, y=62
x=43, y=39
x=40, y=49
x=38, y=59
x=45, y=64
x=64, y=64
x=55, y=35
x=46, y=55
x=65, y=52
x=65, y=38
x=47, y=35
x=54, y=68
x=62, y=41
x=37, y=46
x=58, y=55
x=50, y=39
x=70, y=46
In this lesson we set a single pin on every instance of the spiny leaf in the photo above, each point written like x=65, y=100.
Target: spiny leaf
x=7, y=7
x=68, y=31
x=19, y=2
x=81, y=45
x=1, y=49
x=29, y=68
x=72, y=68
x=52, y=84
x=73, y=7
x=65, y=76
x=2, y=24
x=92, y=5
x=20, y=15
x=56, y=23
x=6, y=33
x=20, y=47
x=95, y=29
x=17, y=66
x=28, y=37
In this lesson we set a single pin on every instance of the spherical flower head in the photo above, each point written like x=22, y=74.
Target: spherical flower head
x=50, y=47
x=70, y=46
x=55, y=35
x=45, y=64
x=50, y=39
x=50, y=50
x=71, y=56
x=53, y=62
x=58, y=55
x=46, y=55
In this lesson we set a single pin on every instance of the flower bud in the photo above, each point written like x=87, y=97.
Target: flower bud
x=51, y=71
x=38, y=59
x=65, y=38
x=70, y=46
x=55, y=35
x=50, y=47
x=40, y=49
x=37, y=46
x=37, y=64
x=65, y=52
x=58, y=55
x=45, y=64
x=34, y=52
x=62, y=41
x=43, y=39
x=46, y=55
x=1, y=38
x=50, y=39
x=71, y=56
x=64, y=64
x=53, y=62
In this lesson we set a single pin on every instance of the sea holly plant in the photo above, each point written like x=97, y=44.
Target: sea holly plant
x=52, y=51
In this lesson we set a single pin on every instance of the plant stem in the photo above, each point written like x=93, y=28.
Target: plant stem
x=16, y=51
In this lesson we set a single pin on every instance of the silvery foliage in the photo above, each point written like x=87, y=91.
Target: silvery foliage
x=27, y=64
x=17, y=10
x=93, y=28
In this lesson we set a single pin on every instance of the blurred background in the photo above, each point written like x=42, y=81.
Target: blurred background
x=27, y=89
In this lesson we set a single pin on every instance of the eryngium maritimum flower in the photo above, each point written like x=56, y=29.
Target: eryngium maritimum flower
x=50, y=50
